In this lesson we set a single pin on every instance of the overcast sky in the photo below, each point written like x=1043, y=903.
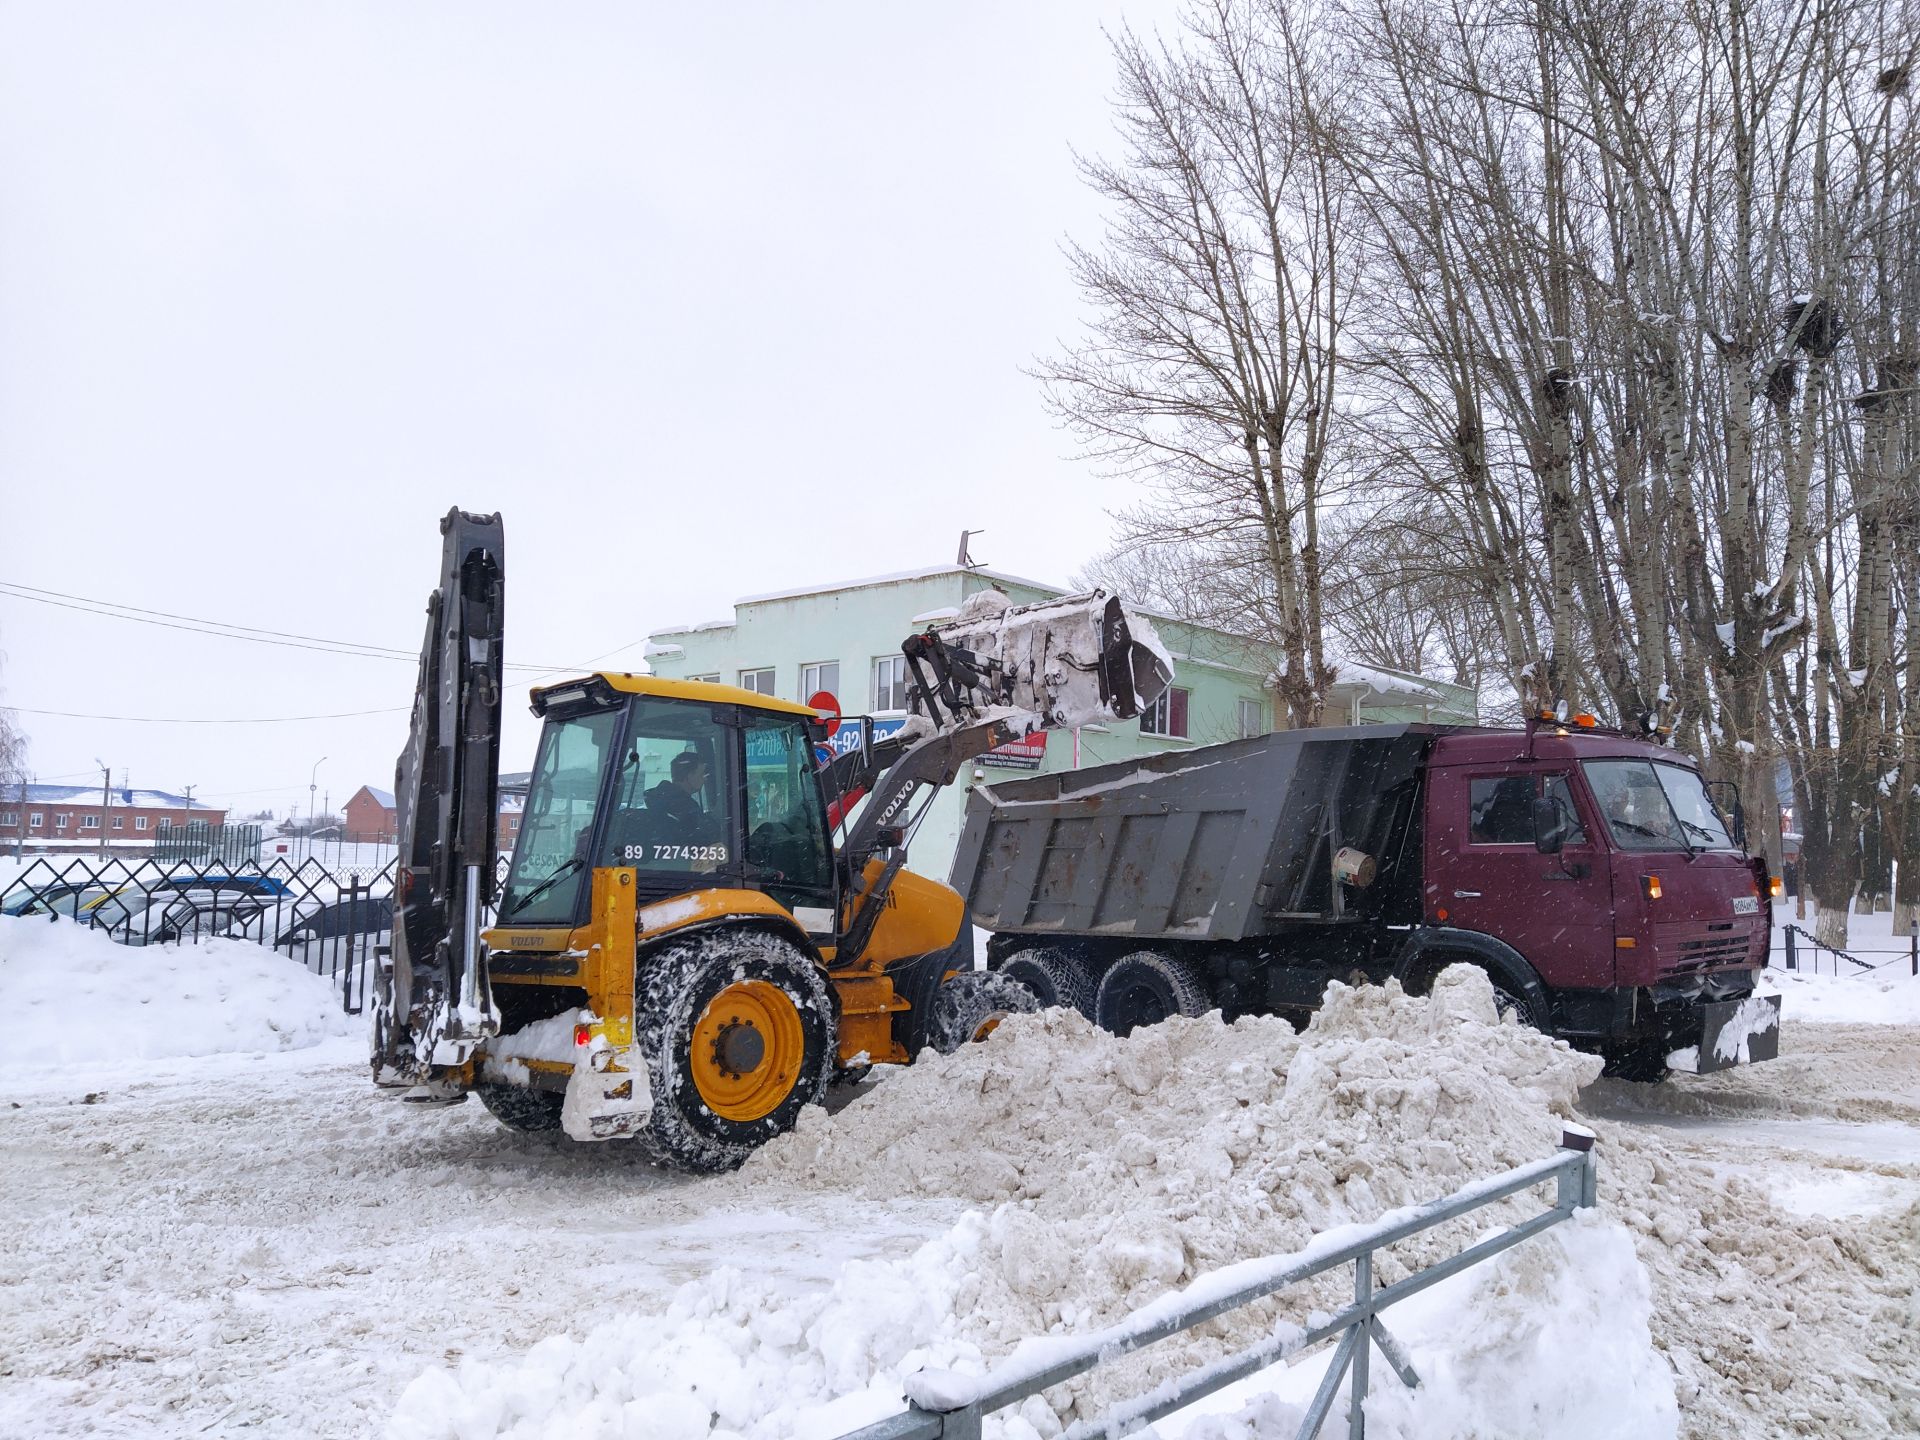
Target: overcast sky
x=707, y=300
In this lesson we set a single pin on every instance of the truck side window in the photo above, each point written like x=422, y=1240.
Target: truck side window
x=1501, y=807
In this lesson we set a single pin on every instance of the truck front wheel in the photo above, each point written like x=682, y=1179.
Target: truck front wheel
x=1145, y=988
x=736, y=1032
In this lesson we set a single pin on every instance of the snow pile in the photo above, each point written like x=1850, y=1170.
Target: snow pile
x=68, y=993
x=1548, y=1339
x=1117, y=1170
x=1890, y=996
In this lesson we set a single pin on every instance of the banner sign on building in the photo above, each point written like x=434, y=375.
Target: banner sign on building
x=1025, y=753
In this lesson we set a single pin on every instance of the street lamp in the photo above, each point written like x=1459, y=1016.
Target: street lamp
x=313, y=785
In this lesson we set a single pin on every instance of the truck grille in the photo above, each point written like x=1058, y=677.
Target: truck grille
x=1684, y=946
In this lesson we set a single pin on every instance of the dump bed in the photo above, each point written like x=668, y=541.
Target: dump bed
x=1218, y=842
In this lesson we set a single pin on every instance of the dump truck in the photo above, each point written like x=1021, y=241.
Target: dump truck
x=1588, y=872
x=701, y=924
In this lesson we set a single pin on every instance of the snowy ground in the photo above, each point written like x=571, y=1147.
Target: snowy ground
x=258, y=1242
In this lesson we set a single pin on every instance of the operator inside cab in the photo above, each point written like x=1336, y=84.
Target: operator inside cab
x=674, y=811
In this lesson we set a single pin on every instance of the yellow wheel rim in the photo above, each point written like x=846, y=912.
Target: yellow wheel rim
x=748, y=1045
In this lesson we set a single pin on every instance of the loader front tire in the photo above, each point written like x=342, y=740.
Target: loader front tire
x=1055, y=977
x=969, y=1004
x=1145, y=988
x=736, y=1030
x=518, y=1108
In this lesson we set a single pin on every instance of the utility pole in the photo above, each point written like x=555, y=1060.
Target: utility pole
x=313, y=787
x=106, y=804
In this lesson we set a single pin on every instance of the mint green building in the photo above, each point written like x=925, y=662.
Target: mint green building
x=845, y=639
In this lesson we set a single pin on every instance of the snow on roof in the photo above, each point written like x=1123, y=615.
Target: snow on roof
x=694, y=629
x=897, y=577
x=1385, y=682
x=122, y=798
x=655, y=652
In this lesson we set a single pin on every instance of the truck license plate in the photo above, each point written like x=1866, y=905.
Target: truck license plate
x=1746, y=904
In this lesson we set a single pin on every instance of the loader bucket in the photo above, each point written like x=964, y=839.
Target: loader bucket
x=1079, y=660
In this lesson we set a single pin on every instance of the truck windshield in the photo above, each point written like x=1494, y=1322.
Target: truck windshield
x=1656, y=807
x=550, y=860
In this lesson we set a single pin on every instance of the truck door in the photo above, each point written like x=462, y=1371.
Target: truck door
x=1484, y=874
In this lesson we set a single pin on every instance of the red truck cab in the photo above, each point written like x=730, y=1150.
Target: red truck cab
x=1603, y=864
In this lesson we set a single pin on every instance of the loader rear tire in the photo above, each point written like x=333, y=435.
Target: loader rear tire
x=969, y=1004
x=1059, y=980
x=519, y=1108
x=1145, y=988
x=736, y=1030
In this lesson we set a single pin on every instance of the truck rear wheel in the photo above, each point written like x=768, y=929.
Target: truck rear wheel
x=969, y=1004
x=1055, y=977
x=1145, y=988
x=736, y=1033
x=518, y=1108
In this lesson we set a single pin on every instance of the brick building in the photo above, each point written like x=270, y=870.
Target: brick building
x=53, y=817
x=369, y=817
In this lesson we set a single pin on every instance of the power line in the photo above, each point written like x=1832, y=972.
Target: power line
x=170, y=720
x=195, y=625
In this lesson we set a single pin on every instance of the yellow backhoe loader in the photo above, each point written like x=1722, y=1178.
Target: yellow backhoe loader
x=701, y=925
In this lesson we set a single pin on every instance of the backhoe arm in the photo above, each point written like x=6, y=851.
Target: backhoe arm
x=435, y=1003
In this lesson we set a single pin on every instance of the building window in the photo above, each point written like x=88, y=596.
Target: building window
x=139, y=822
x=758, y=681
x=704, y=679
x=822, y=676
x=11, y=817
x=1168, y=715
x=89, y=822
x=60, y=821
x=166, y=822
x=36, y=820
x=890, y=683
x=1253, y=719
x=514, y=823
x=119, y=822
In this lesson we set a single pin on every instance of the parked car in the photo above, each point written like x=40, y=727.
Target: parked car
x=177, y=915
x=262, y=885
x=61, y=898
x=341, y=927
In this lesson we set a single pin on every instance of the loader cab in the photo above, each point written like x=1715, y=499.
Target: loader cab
x=692, y=786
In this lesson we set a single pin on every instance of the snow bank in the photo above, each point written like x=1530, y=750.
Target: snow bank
x=68, y=993
x=1550, y=1338
x=1887, y=997
x=1113, y=1171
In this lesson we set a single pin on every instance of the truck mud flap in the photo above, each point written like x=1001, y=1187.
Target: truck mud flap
x=1732, y=1032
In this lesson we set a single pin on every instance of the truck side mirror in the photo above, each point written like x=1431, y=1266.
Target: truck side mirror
x=1549, y=825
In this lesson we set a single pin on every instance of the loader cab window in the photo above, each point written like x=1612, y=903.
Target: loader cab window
x=673, y=807
x=787, y=846
x=550, y=859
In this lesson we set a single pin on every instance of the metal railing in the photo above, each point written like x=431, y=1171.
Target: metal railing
x=1792, y=935
x=331, y=919
x=945, y=1406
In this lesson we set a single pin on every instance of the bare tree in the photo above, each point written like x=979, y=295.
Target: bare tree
x=1213, y=364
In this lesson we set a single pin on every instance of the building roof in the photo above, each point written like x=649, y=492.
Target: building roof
x=121, y=797
x=895, y=577
x=384, y=798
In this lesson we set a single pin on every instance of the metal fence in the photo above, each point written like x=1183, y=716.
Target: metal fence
x=1799, y=949
x=331, y=919
x=944, y=1406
